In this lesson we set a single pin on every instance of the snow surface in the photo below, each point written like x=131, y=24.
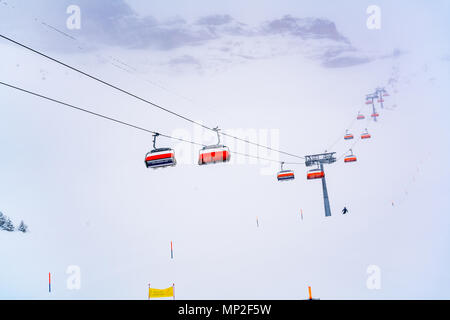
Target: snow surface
x=81, y=185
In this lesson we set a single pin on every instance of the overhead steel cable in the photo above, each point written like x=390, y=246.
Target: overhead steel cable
x=350, y=126
x=95, y=113
x=265, y=159
x=259, y=145
x=140, y=98
x=351, y=147
x=354, y=143
x=125, y=123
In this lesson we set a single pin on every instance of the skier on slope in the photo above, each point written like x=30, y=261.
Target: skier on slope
x=344, y=211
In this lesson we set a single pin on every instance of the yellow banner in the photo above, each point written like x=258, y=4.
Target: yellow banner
x=160, y=293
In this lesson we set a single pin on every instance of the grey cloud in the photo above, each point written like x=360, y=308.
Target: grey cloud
x=348, y=57
x=304, y=28
x=223, y=24
x=341, y=62
x=342, y=57
x=185, y=59
x=215, y=20
x=332, y=53
x=116, y=24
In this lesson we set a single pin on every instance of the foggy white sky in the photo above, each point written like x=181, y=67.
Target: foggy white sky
x=81, y=185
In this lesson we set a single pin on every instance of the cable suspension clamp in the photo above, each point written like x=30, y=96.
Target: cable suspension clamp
x=154, y=139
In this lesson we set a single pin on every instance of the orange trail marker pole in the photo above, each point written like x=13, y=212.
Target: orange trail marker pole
x=310, y=295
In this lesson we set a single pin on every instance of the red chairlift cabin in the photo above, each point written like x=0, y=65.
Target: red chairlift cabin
x=315, y=174
x=365, y=135
x=348, y=136
x=214, y=153
x=350, y=158
x=284, y=175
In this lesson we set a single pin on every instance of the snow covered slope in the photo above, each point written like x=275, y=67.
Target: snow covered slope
x=81, y=185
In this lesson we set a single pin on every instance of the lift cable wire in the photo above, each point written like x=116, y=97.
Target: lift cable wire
x=351, y=148
x=95, y=113
x=141, y=99
x=115, y=62
x=350, y=126
x=368, y=124
x=129, y=124
x=354, y=143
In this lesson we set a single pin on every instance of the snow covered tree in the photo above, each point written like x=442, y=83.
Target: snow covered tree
x=8, y=225
x=22, y=227
x=2, y=220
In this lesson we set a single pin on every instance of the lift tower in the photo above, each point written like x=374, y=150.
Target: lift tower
x=373, y=96
x=380, y=91
x=320, y=160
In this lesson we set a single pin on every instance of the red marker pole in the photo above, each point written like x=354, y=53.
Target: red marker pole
x=171, y=250
x=49, y=283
